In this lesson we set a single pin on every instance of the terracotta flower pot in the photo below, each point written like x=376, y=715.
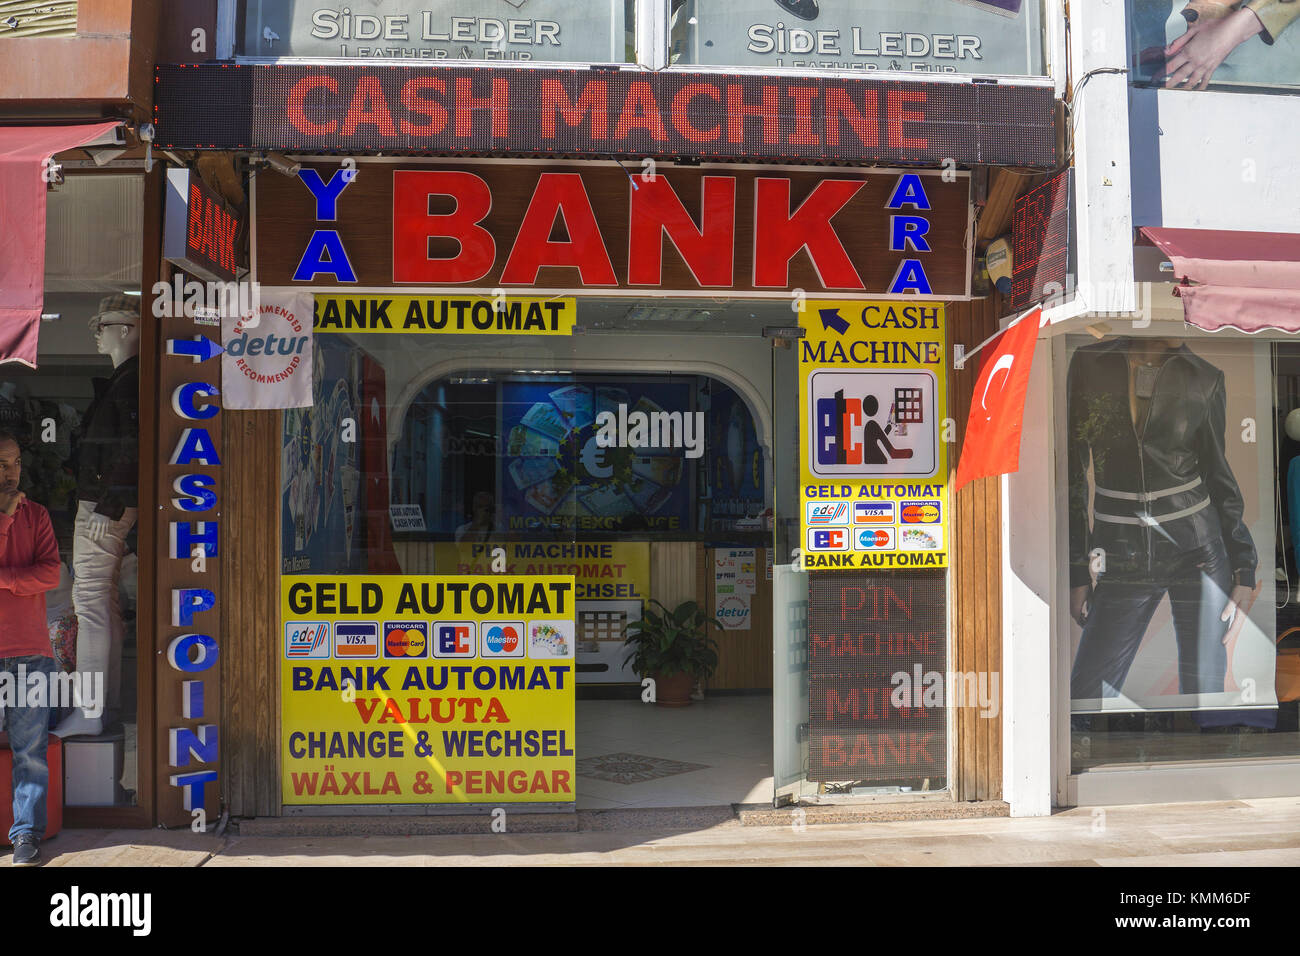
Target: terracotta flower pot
x=673, y=690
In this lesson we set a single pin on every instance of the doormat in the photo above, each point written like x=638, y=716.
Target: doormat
x=633, y=768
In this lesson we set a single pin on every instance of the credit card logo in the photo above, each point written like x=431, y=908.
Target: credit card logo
x=873, y=539
x=356, y=640
x=503, y=638
x=828, y=512
x=873, y=512
x=828, y=539
x=453, y=639
x=307, y=640
x=406, y=639
x=920, y=512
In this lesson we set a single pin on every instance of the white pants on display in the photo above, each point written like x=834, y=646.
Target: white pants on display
x=96, y=565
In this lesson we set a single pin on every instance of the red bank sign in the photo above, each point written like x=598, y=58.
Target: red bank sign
x=547, y=225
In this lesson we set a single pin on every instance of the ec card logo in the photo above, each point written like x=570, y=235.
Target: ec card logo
x=454, y=639
x=873, y=424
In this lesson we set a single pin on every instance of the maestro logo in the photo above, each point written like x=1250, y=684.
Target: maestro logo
x=503, y=638
x=868, y=424
x=828, y=539
x=873, y=539
x=453, y=639
x=920, y=512
x=406, y=639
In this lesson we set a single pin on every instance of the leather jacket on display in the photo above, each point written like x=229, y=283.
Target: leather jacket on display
x=108, y=455
x=1164, y=488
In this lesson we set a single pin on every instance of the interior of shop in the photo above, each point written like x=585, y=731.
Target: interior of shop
x=551, y=447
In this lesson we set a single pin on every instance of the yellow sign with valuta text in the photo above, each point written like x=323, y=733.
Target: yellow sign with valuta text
x=873, y=400
x=427, y=689
x=446, y=314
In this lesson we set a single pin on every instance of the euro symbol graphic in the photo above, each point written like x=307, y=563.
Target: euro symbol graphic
x=1004, y=363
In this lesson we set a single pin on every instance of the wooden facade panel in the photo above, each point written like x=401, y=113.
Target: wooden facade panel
x=251, y=613
x=976, y=576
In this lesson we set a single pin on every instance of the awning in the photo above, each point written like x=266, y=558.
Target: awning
x=23, y=152
x=1242, y=280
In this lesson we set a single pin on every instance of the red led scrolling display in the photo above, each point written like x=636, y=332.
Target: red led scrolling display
x=1040, y=239
x=876, y=644
x=419, y=109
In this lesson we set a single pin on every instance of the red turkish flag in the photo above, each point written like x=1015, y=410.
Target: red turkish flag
x=997, y=408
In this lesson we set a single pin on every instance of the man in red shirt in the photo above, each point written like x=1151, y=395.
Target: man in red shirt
x=29, y=566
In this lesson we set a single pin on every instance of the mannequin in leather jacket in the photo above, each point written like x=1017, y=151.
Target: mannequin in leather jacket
x=1217, y=27
x=1148, y=416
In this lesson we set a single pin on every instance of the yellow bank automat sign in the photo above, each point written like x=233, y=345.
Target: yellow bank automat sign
x=446, y=314
x=427, y=689
x=874, y=457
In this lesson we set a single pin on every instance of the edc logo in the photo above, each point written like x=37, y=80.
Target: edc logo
x=869, y=424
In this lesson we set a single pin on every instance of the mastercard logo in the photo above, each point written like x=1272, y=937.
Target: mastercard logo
x=405, y=640
x=921, y=513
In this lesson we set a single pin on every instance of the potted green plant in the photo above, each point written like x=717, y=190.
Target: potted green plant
x=674, y=648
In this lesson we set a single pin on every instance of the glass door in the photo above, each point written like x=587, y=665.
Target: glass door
x=790, y=720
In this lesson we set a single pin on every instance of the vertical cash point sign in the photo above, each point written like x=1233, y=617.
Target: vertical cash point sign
x=188, y=706
x=873, y=462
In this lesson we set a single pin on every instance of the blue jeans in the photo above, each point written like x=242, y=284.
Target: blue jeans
x=29, y=729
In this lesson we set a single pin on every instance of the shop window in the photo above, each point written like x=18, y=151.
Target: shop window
x=1182, y=570
x=76, y=420
x=924, y=37
x=439, y=31
x=1247, y=46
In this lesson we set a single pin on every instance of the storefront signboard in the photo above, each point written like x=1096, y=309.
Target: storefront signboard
x=578, y=31
x=201, y=230
x=874, y=458
x=497, y=228
x=419, y=689
x=446, y=315
x=981, y=37
x=188, y=689
x=477, y=110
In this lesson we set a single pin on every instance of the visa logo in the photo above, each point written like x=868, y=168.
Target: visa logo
x=873, y=512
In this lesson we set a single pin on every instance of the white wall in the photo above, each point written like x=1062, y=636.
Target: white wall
x=1215, y=160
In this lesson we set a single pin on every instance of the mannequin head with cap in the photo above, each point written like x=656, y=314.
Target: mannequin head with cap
x=116, y=327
